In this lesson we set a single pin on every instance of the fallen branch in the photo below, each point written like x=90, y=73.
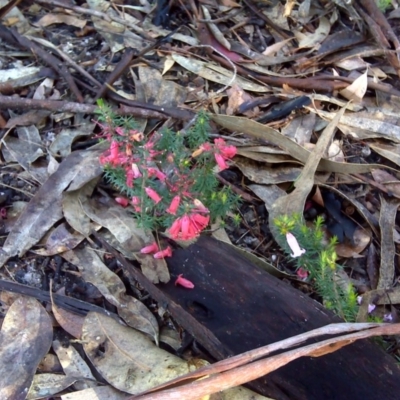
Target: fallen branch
x=242, y=374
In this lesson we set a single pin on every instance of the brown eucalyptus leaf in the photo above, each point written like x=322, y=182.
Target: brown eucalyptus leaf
x=25, y=338
x=268, y=194
x=362, y=238
x=259, y=131
x=44, y=210
x=390, y=152
x=74, y=365
x=72, y=208
x=93, y=270
x=217, y=74
x=393, y=184
x=126, y=358
x=97, y=393
x=123, y=226
x=262, y=174
x=45, y=385
x=60, y=239
x=160, y=91
x=69, y=321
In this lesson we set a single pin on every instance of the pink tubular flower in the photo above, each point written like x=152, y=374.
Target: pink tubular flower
x=136, y=171
x=135, y=201
x=163, y=253
x=174, y=205
x=184, y=282
x=151, y=248
x=129, y=177
x=188, y=227
x=220, y=161
x=226, y=151
x=294, y=245
x=153, y=195
x=302, y=274
x=114, y=157
x=156, y=172
x=200, y=207
x=223, y=153
x=123, y=201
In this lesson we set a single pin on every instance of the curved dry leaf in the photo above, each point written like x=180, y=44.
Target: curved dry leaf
x=390, y=152
x=44, y=210
x=362, y=237
x=93, y=270
x=61, y=146
x=317, y=37
x=217, y=74
x=262, y=174
x=59, y=240
x=69, y=321
x=26, y=335
x=126, y=358
x=374, y=125
x=97, y=393
x=45, y=385
x=357, y=89
x=232, y=376
x=74, y=366
x=263, y=132
x=72, y=208
x=393, y=184
x=59, y=18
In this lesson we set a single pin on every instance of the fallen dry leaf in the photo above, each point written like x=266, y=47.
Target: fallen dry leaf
x=25, y=337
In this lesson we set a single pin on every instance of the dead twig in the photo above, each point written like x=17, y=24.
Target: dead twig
x=15, y=38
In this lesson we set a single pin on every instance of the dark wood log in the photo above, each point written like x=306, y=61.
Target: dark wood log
x=246, y=308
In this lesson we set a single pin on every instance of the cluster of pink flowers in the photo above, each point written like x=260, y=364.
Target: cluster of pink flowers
x=162, y=181
x=222, y=152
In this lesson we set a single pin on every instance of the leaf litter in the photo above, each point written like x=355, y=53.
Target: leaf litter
x=349, y=151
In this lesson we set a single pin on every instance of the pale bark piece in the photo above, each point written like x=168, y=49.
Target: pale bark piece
x=387, y=222
x=25, y=338
x=93, y=270
x=44, y=210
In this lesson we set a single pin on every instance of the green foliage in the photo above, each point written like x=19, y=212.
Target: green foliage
x=319, y=261
x=187, y=161
x=383, y=5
